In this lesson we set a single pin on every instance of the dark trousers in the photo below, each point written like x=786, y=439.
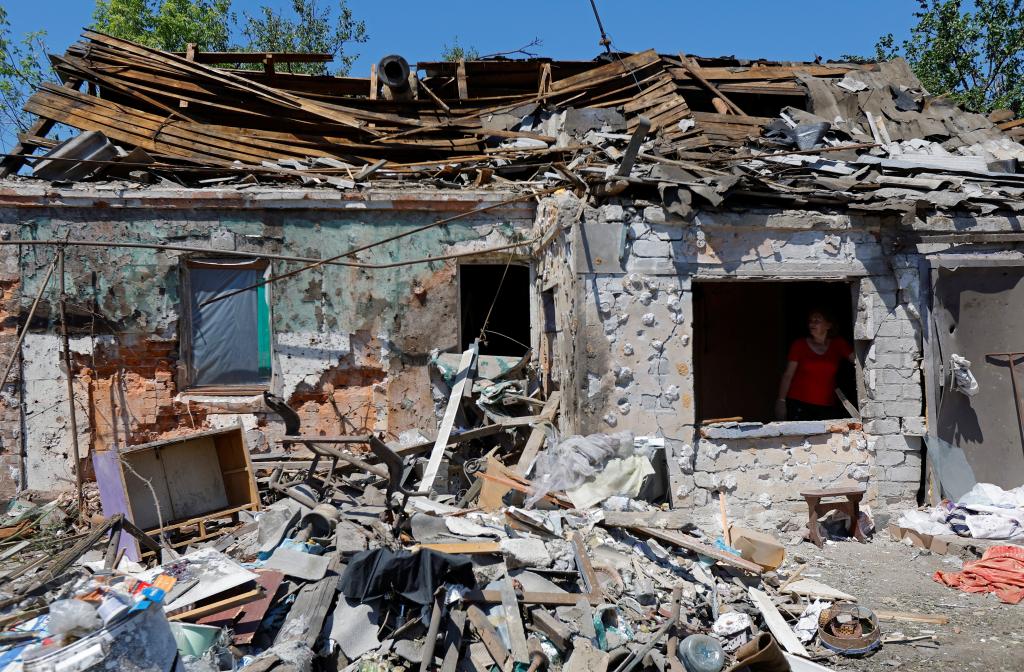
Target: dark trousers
x=799, y=410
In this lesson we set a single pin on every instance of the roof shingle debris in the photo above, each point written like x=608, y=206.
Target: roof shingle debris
x=702, y=130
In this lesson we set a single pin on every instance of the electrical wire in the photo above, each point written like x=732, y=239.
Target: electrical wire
x=497, y=293
x=360, y=248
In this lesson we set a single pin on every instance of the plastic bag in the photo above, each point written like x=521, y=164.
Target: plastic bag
x=963, y=379
x=570, y=463
x=73, y=617
x=922, y=522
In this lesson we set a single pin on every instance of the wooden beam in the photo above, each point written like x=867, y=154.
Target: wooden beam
x=699, y=547
x=454, y=401
x=460, y=76
x=43, y=125
x=695, y=71
x=537, y=434
x=489, y=636
x=784, y=635
x=226, y=57
x=221, y=605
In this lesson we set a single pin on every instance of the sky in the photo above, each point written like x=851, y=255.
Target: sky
x=797, y=30
x=417, y=29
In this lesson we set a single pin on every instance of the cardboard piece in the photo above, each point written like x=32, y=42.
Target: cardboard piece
x=758, y=547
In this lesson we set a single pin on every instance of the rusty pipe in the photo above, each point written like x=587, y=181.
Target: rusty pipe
x=393, y=71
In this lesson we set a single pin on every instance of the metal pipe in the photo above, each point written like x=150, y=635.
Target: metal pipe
x=28, y=321
x=393, y=71
x=1018, y=404
x=73, y=417
x=274, y=257
x=397, y=236
x=427, y=654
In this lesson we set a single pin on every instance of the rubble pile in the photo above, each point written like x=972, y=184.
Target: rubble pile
x=498, y=544
x=865, y=136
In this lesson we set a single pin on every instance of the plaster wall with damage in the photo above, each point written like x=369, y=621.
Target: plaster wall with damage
x=350, y=345
x=636, y=267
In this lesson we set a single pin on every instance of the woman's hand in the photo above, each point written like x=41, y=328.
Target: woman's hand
x=780, y=409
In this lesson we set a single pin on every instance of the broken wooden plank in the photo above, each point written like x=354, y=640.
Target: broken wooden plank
x=307, y=614
x=489, y=636
x=699, y=547
x=783, y=634
x=513, y=623
x=218, y=606
x=552, y=628
x=453, y=640
x=454, y=401
x=530, y=597
x=910, y=617
x=536, y=440
x=815, y=589
x=583, y=564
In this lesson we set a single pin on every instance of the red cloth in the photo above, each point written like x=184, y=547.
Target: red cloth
x=815, y=379
x=1000, y=571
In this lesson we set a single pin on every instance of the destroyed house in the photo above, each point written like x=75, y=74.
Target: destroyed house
x=625, y=244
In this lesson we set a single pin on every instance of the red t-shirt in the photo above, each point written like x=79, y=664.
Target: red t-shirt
x=815, y=379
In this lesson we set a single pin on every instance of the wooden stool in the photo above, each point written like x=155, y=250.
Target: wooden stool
x=851, y=507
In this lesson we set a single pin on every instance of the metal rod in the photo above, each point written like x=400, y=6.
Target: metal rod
x=1011, y=356
x=604, y=41
x=73, y=417
x=275, y=257
x=28, y=321
x=360, y=248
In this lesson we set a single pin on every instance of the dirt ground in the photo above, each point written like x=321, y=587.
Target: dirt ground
x=982, y=633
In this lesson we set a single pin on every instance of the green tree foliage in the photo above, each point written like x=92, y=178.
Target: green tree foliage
x=23, y=66
x=309, y=28
x=974, y=54
x=456, y=52
x=167, y=24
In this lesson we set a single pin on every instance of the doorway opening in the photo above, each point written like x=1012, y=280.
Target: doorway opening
x=502, y=292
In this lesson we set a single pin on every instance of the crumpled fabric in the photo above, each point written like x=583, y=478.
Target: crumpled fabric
x=619, y=477
x=575, y=460
x=373, y=575
x=1000, y=570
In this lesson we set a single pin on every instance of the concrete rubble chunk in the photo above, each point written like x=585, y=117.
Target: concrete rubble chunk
x=525, y=552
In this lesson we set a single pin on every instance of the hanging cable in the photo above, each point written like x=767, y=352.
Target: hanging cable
x=494, y=301
x=604, y=41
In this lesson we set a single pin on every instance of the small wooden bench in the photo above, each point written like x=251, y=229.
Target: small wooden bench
x=816, y=508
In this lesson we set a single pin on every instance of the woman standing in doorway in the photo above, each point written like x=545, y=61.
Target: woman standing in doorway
x=808, y=387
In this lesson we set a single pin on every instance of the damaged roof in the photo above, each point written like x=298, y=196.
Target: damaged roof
x=700, y=130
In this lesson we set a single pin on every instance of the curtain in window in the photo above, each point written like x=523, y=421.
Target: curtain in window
x=230, y=337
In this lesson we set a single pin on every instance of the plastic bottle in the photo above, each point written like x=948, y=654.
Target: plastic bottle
x=75, y=617
x=701, y=653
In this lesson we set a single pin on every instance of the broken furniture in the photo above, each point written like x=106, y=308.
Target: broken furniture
x=316, y=489
x=180, y=483
x=816, y=509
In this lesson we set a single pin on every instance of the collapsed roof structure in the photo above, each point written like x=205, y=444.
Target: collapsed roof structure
x=836, y=133
x=488, y=284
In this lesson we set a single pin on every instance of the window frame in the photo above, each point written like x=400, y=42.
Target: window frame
x=534, y=310
x=186, y=352
x=790, y=427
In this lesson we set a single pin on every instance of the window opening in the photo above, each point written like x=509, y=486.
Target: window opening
x=480, y=286
x=229, y=339
x=743, y=332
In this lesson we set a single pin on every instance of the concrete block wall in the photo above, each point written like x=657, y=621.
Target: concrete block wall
x=636, y=367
